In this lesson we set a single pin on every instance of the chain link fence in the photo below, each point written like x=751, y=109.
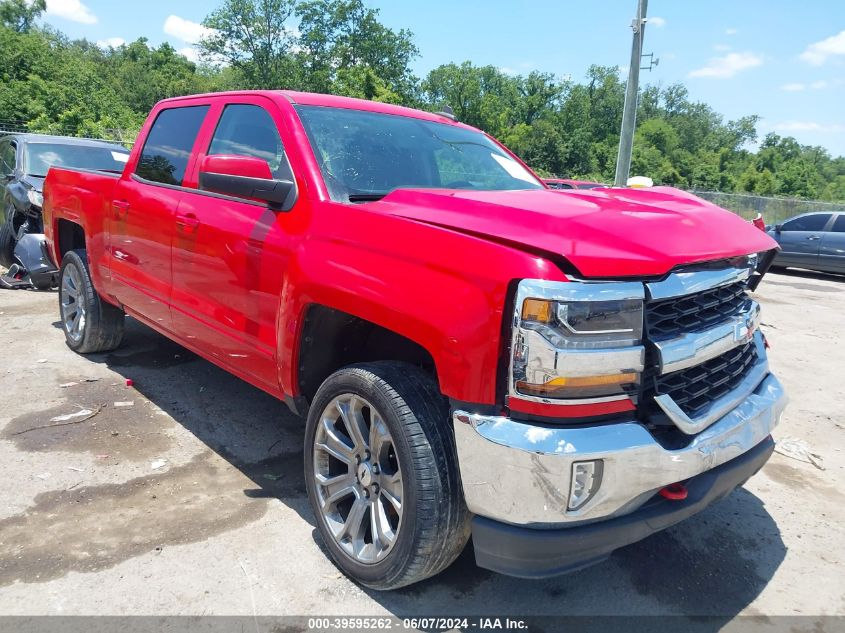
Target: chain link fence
x=773, y=210
x=121, y=137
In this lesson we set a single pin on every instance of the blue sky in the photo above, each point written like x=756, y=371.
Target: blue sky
x=784, y=61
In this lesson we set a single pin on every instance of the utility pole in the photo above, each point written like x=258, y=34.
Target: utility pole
x=629, y=114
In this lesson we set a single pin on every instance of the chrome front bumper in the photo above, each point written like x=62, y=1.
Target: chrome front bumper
x=519, y=473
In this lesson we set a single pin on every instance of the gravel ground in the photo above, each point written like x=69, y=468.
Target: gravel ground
x=191, y=499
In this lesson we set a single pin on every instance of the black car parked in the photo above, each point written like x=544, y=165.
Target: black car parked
x=24, y=161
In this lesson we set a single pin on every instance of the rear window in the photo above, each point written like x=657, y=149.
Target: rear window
x=39, y=157
x=168, y=146
x=839, y=224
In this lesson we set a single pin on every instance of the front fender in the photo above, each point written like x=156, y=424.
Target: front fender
x=444, y=290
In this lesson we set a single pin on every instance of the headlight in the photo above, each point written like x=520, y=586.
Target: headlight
x=577, y=341
x=35, y=198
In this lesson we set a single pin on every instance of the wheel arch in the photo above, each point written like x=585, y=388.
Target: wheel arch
x=331, y=338
x=70, y=236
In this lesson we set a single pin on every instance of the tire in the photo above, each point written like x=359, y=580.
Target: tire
x=43, y=285
x=7, y=243
x=433, y=526
x=89, y=323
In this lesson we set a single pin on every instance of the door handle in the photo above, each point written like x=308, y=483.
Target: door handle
x=814, y=237
x=120, y=208
x=188, y=222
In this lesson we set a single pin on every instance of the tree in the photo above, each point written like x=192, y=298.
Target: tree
x=251, y=36
x=142, y=75
x=345, y=38
x=20, y=15
x=566, y=127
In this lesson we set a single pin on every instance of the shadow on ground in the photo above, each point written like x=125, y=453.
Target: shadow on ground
x=800, y=273
x=713, y=565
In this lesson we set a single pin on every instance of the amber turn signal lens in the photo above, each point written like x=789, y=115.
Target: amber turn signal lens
x=562, y=383
x=537, y=310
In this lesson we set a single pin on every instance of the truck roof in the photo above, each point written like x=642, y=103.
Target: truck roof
x=331, y=101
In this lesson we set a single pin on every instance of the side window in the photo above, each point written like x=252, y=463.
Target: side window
x=168, y=146
x=7, y=157
x=839, y=224
x=249, y=130
x=814, y=222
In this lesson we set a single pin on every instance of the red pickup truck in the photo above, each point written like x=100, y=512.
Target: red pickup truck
x=558, y=376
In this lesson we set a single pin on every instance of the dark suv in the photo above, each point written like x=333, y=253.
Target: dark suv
x=24, y=161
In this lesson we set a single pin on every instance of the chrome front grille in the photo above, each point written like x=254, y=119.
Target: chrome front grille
x=696, y=388
x=704, y=353
x=676, y=316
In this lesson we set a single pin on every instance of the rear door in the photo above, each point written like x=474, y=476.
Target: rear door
x=230, y=254
x=800, y=239
x=144, y=210
x=832, y=249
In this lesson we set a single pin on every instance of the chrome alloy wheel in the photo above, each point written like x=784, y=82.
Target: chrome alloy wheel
x=358, y=479
x=72, y=303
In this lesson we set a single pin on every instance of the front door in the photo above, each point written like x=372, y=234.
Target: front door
x=800, y=239
x=143, y=215
x=230, y=254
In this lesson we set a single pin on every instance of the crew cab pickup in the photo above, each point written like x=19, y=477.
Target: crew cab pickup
x=557, y=374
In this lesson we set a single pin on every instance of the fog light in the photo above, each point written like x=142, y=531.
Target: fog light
x=586, y=480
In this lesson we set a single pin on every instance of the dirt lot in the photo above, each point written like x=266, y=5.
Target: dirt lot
x=191, y=500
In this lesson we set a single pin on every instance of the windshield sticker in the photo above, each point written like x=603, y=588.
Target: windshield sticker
x=513, y=168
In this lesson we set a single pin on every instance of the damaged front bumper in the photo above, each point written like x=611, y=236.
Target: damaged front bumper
x=33, y=266
x=518, y=481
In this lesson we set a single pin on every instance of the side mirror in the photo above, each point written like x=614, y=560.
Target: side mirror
x=246, y=177
x=778, y=228
x=8, y=177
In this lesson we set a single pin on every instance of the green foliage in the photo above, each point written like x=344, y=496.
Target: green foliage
x=251, y=37
x=559, y=127
x=19, y=15
x=342, y=43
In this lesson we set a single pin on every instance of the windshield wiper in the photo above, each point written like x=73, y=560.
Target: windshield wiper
x=367, y=197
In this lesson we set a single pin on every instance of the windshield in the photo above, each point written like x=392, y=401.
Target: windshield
x=365, y=155
x=39, y=157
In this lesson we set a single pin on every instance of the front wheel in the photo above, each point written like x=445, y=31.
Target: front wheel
x=89, y=323
x=381, y=473
x=7, y=243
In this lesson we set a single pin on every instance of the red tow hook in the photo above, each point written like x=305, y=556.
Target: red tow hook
x=674, y=492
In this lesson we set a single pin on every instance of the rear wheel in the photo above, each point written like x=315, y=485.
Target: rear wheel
x=381, y=473
x=89, y=323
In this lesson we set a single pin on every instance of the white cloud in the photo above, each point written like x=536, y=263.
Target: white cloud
x=731, y=31
x=191, y=53
x=72, y=10
x=721, y=48
x=821, y=84
x=111, y=42
x=729, y=65
x=657, y=21
x=818, y=52
x=185, y=30
x=808, y=126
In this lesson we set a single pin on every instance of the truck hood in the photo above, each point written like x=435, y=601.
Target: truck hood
x=602, y=233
